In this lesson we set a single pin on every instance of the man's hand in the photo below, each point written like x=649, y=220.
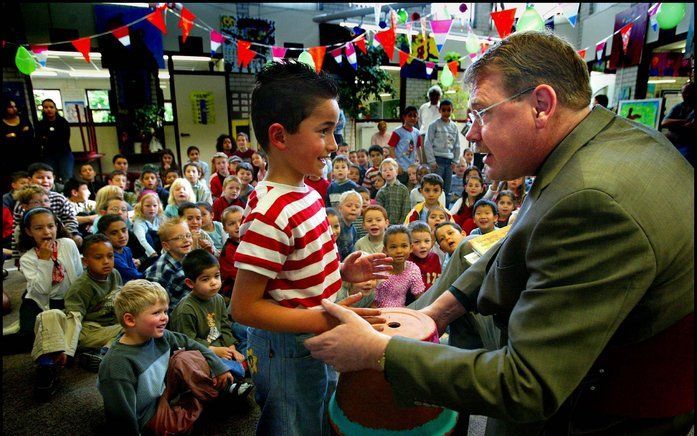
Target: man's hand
x=223, y=380
x=441, y=323
x=351, y=346
x=358, y=267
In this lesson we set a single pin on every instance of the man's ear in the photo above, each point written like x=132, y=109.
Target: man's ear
x=277, y=136
x=545, y=104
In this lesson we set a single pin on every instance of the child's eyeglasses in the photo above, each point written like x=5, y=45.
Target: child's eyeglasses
x=182, y=237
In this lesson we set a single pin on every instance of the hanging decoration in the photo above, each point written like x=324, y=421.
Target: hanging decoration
x=440, y=29
x=472, y=43
x=306, y=58
x=652, y=17
x=599, y=48
x=452, y=66
x=669, y=15
x=582, y=53
x=83, y=46
x=244, y=54
x=361, y=45
x=446, y=77
x=403, y=16
x=40, y=53
x=278, y=53
x=24, y=61
x=626, y=32
x=503, y=20
x=387, y=40
x=377, y=7
x=351, y=55
x=530, y=20
x=217, y=39
x=429, y=68
x=317, y=54
x=403, y=57
x=157, y=19
x=570, y=11
x=186, y=22
x=336, y=54
x=121, y=33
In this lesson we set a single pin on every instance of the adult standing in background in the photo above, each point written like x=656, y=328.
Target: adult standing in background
x=680, y=123
x=428, y=112
x=339, y=129
x=53, y=134
x=17, y=140
x=381, y=137
x=592, y=290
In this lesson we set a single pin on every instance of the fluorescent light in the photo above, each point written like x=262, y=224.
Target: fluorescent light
x=37, y=73
x=662, y=81
x=451, y=91
x=93, y=74
x=191, y=58
x=163, y=75
x=451, y=36
x=385, y=94
x=72, y=54
x=390, y=67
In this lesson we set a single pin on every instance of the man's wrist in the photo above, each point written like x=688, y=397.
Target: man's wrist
x=380, y=348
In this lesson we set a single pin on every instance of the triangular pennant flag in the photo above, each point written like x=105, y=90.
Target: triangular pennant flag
x=317, y=54
x=336, y=54
x=626, y=32
x=361, y=45
x=351, y=55
x=121, y=33
x=83, y=46
x=570, y=11
x=186, y=22
x=216, y=40
x=377, y=7
x=403, y=57
x=652, y=17
x=157, y=19
x=452, y=65
x=41, y=52
x=278, y=53
x=387, y=39
x=582, y=53
x=440, y=29
x=503, y=20
x=423, y=28
x=429, y=68
x=599, y=48
x=244, y=54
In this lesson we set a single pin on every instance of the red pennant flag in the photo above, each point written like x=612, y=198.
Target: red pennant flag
x=244, y=54
x=157, y=19
x=452, y=65
x=361, y=45
x=186, y=22
x=317, y=54
x=403, y=57
x=503, y=20
x=387, y=39
x=336, y=54
x=625, y=32
x=582, y=53
x=121, y=33
x=83, y=46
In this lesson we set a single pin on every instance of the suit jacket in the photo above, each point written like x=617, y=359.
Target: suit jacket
x=600, y=256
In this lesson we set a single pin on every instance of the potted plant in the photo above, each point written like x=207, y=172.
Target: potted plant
x=148, y=121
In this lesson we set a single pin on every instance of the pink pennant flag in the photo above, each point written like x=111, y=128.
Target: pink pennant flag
x=121, y=33
x=625, y=32
x=351, y=55
x=440, y=29
x=336, y=54
x=278, y=53
x=599, y=48
x=216, y=40
x=41, y=52
x=652, y=16
x=429, y=68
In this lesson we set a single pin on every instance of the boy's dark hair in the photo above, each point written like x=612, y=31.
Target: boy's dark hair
x=95, y=239
x=341, y=158
x=26, y=242
x=447, y=223
x=150, y=171
x=193, y=164
x=418, y=226
x=82, y=165
x=356, y=166
x=362, y=150
x=407, y=110
x=117, y=173
x=220, y=140
x=205, y=205
x=362, y=189
x=18, y=175
x=38, y=166
x=72, y=185
x=170, y=170
x=118, y=156
x=184, y=206
x=287, y=93
x=196, y=262
x=602, y=100
x=332, y=211
x=484, y=203
x=375, y=148
x=432, y=179
x=106, y=220
x=244, y=166
x=446, y=103
x=396, y=229
x=191, y=148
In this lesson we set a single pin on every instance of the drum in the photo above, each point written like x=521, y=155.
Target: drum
x=363, y=402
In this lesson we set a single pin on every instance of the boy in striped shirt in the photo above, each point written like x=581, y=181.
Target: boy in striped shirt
x=287, y=260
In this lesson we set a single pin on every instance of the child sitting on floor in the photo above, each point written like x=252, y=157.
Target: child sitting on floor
x=485, y=217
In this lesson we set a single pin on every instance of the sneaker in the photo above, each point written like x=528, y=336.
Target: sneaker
x=240, y=390
x=90, y=360
x=46, y=382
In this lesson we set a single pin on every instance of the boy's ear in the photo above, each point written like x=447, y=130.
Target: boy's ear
x=129, y=319
x=189, y=283
x=277, y=136
x=463, y=233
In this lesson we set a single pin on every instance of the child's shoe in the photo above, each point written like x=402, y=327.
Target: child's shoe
x=90, y=360
x=46, y=381
x=240, y=390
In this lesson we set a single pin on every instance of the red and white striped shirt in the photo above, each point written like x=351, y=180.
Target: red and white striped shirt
x=285, y=236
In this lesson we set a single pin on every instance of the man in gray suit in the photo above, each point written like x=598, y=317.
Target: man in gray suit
x=593, y=287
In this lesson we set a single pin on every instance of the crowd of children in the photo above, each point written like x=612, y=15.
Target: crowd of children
x=217, y=258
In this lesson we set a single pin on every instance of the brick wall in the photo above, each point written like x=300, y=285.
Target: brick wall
x=416, y=92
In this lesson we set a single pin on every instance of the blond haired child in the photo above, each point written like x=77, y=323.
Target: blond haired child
x=146, y=220
x=375, y=222
x=394, y=196
x=180, y=192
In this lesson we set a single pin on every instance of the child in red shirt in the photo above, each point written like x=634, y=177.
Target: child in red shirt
x=231, y=219
x=230, y=197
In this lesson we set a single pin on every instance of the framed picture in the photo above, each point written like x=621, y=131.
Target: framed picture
x=647, y=111
x=71, y=110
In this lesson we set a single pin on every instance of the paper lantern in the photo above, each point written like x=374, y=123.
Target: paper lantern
x=463, y=8
x=472, y=43
x=306, y=58
x=669, y=15
x=415, y=16
x=403, y=16
x=24, y=61
x=530, y=20
x=446, y=77
x=382, y=24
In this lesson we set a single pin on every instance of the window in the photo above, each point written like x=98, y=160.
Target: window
x=42, y=94
x=98, y=102
x=169, y=112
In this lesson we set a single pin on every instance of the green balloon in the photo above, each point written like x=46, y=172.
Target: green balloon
x=669, y=15
x=530, y=20
x=446, y=77
x=24, y=61
x=402, y=15
x=472, y=43
x=306, y=58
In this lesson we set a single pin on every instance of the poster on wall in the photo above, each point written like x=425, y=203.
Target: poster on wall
x=646, y=112
x=202, y=107
x=421, y=48
x=247, y=29
x=71, y=109
x=637, y=35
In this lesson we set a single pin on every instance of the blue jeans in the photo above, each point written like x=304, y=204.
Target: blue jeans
x=62, y=165
x=446, y=172
x=235, y=368
x=291, y=386
x=239, y=331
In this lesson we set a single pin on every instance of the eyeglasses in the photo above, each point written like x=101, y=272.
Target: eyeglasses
x=476, y=115
x=181, y=238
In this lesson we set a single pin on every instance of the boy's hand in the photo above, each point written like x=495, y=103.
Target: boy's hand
x=368, y=314
x=239, y=357
x=222, y=352
x=223, y=380
x=359, y=267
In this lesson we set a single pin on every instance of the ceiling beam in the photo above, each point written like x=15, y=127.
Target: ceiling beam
x=323, y=18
